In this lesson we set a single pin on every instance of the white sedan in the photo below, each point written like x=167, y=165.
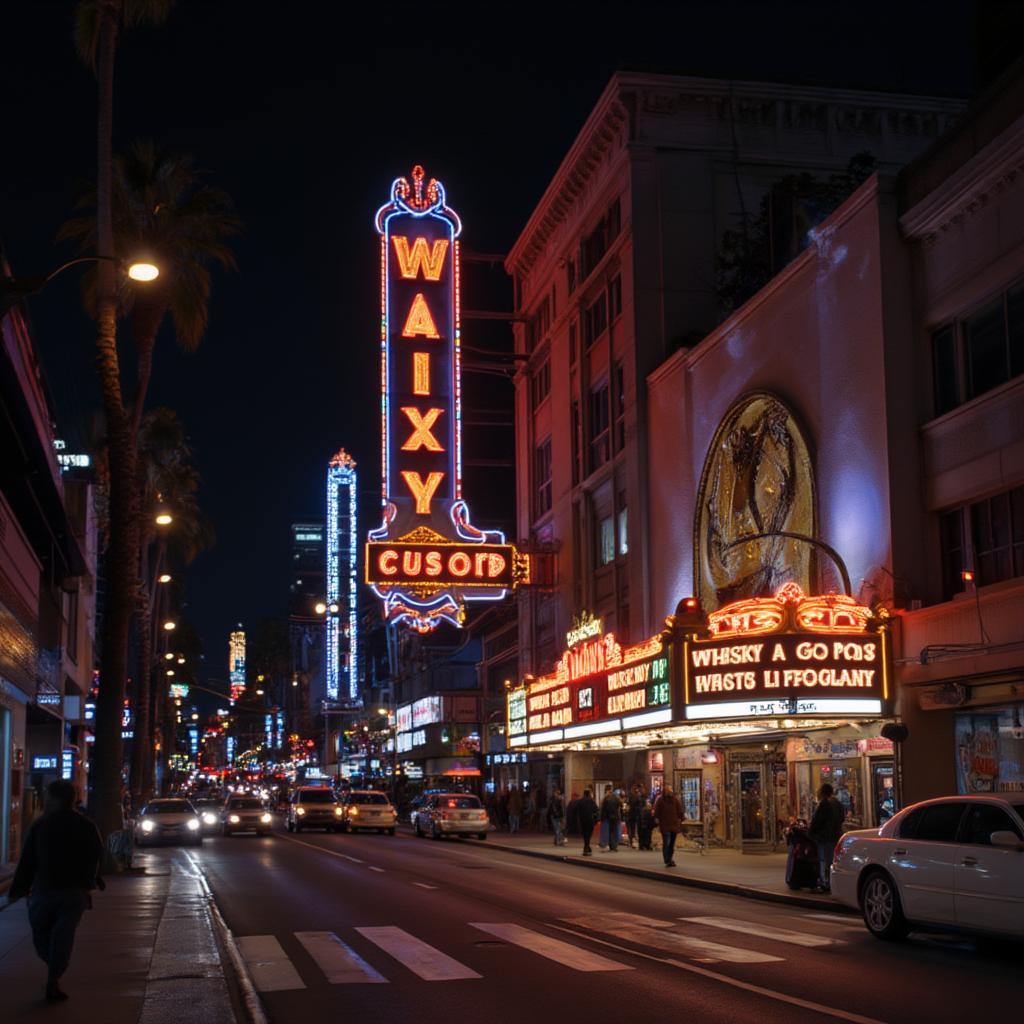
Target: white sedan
x=168, y=820
x=955, y=863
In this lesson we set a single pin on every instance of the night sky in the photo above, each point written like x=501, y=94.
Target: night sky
x=304, y=117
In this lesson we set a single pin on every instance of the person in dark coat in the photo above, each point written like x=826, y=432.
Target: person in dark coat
x=572, y=824
x=556, y=816
x=645, y=828
x=668, y=813
x=587, y=813
x=635, y=808
x=611, y=815
x=59, y=865
x=515, y=810
x=825, y=829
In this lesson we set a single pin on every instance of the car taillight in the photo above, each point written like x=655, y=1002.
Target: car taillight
x=840, y=846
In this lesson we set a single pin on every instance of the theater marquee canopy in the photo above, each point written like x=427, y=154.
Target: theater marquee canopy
x=426, y=560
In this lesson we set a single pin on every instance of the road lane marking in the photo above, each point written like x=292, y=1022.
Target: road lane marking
x=746, y=986
x=424, y=961
x=423, y=885
x=658, y=937
x=322, y=849
x=846, y=922
x=341, y=964
x=372, y=868
x=601, y=922
x=553, y=949
x=268, y=964
x=765, y=931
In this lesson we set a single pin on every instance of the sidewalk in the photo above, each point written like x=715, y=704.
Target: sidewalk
x=145, y=953
x=758, y=876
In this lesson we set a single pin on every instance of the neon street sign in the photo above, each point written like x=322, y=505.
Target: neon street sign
x=425, y=560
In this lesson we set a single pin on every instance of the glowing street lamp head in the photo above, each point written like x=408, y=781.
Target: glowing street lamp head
x=164, y=577
x=170, y=625
x=169, y=656
x=164, y=519
x=143, y=271
x=181, y=661
x=320, y=608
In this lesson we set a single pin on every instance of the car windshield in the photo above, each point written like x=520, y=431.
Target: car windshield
x=247, y=803
x=459, y=802
x=169, y=807
x=367, y=798
x=317, y=796
x=206, y=805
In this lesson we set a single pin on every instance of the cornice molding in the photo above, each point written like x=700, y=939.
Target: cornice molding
x=969, y=188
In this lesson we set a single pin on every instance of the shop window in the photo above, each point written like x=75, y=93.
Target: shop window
x=600, y=430
x=542, y=478
x=605, y=541
x=541, y=383
x=983, y=820
x=595, y=320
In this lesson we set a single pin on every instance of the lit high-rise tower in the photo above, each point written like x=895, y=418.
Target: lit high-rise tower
x=236, y=662
x=342, y=568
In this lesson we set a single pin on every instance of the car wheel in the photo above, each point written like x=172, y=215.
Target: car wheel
x=224, y=831
x=416, y=828
x=434, y=832
x=880, y=905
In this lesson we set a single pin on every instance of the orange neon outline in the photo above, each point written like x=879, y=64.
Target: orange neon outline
x=422, y=490
x=421, y=373
x=411, y=261
x=419, y=323
x=422, y=425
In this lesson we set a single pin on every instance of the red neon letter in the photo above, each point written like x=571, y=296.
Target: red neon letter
x=421, y=373
x=459, y=564
x=433, y=563
x=495, y=565
x=419, y=321
x=411, y=263
x=422, y=490
x=386, y=562
x=421, y=437
x=412, y=562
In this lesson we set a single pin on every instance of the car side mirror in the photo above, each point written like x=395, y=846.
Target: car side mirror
x=1006, y=838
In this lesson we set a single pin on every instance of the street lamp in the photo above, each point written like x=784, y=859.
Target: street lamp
x=181, y=661
x=169, y=656
x=164, y=577
x=170, y=625
x=144, y=272
x=320, y=608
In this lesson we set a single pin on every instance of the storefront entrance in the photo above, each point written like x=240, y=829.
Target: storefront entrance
x=759, y=804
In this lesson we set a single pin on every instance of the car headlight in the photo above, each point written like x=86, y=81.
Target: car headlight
x=300, y=811
x=147, y=825
x=209, y=819
x=193, y=823
x=265, y=818
x=233, y=819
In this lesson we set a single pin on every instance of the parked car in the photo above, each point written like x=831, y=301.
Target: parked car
x=368, y=809
x=168, y=820
x=955, y=863
x=451, y=814
x=244, y=814
x=313, y=807
x=209, y=814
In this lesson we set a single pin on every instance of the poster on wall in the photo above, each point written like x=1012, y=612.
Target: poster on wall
x=990, y=751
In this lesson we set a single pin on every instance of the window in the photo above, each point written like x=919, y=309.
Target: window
x=614, y=297
x=547, y=641
x=600, y=434
x=71, y=627
x=623, y=528
x=596, y=244
x=980, y=353
x=987, y=537
x=542, y=478
x=577, y=444
x=983, y=820
x=595, y=320
x=538, y=325
x=605, y=541
x=946, y=371
x=541, y=383
x=572, y=343
x=620, y=407
x=570, y=276
x=938, y=823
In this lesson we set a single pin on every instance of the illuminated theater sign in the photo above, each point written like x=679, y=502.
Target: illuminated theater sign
x=426, y=560
x=598, y=687
x=788, y=655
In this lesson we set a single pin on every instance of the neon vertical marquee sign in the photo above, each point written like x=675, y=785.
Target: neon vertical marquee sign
x=342, y=617
x=426, y=560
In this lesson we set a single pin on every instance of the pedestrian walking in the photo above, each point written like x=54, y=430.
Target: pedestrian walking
x=59, y=865
x=515, y=810
x=635, y=806
x=572, y=824
x=825, y=829
x=668, y=815
x=529, y=811
x=556, y=816
x=645, y=826
x=587, y=813
x=611, y=818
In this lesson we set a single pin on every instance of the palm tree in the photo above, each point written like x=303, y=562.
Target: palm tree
x=97, y=23
x=167, y=479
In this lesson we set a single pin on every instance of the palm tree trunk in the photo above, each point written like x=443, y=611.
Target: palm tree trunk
x=143, y=682
x=122, y=543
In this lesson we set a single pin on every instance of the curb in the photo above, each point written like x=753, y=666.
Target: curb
x=730, y=888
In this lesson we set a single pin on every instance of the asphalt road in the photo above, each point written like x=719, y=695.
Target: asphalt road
x=340, y=927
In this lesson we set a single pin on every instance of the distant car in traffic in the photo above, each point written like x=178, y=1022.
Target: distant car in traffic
x=244, y=814
x=209, y=814
x=451, y=814
x=955, y=863
x=368, y=809
x=313, y=807
x=168, y=820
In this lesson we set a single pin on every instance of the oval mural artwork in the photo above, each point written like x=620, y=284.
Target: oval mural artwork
x=757, y=479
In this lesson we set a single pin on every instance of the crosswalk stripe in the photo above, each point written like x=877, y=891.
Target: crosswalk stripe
x=599, y=922
x=341, y=964
x=553, y=949
x=428, y=963
x=842, y=920
x=423, y=885
x=765, y=931
x=673, y=942
x=372, y=868
x=268, y=964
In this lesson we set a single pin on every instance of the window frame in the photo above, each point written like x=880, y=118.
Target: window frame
x=542, y=489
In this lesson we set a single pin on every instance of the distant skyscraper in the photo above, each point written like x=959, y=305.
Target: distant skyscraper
x=342, y=567
x=308, y=554
x=236, y=662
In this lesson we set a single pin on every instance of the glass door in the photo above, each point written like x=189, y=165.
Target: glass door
x=883, y=789
x=752, y=803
